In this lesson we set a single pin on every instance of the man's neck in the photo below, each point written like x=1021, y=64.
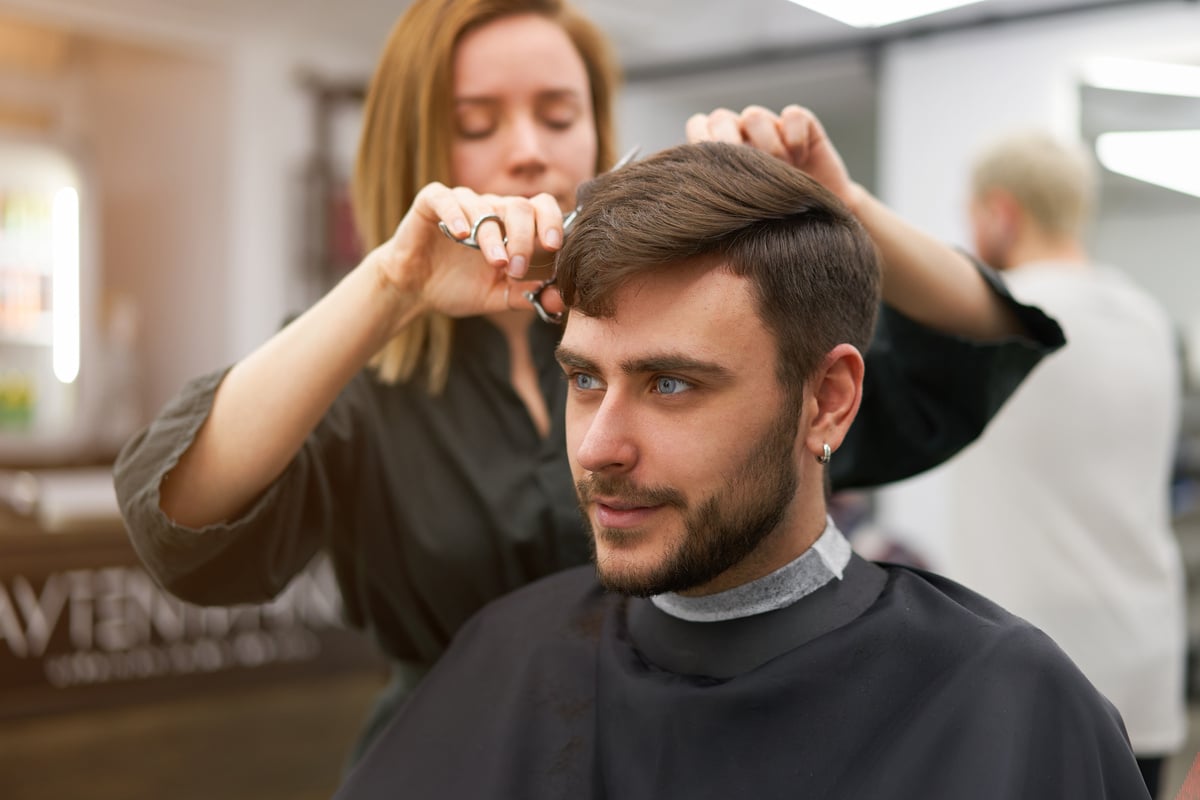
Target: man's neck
x=1063, y=250
x=821, y=563
x=801, y=526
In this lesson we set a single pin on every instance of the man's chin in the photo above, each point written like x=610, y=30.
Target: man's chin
x=622, y=566
x=630, y=582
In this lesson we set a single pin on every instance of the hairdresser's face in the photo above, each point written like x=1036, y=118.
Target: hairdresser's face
x=682, y=444
x=523, y=111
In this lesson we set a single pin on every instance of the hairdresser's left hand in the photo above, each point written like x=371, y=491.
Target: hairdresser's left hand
x=794, y=135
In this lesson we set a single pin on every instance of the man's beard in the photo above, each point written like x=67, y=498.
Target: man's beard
x=718, y=533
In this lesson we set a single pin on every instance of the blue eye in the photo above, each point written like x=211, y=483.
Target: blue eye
x=667, y=385
x=585, y=382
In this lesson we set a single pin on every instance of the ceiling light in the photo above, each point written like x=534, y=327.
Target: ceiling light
x=876, y=13
x=1164, y=158
x=1133, y=75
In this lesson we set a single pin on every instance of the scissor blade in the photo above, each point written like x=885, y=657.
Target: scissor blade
x=625, y=159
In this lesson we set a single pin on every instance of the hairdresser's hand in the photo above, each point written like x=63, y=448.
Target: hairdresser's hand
x=794, y=135
x=460, y=281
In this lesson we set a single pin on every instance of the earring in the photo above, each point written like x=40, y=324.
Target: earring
x=826, y=454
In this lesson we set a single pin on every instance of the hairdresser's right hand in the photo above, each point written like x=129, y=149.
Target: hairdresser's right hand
x=445, y=276
x=794, y=135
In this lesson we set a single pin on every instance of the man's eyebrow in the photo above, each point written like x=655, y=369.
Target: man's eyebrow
x=665, y=362
x=569, y=358
x=673, y=362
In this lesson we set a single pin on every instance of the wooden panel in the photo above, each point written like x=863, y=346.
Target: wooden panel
x=32, y=48
x=83, y=625
x=29, y=119
x=283, y=741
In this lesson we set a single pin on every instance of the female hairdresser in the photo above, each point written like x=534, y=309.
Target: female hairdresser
x=411, y=422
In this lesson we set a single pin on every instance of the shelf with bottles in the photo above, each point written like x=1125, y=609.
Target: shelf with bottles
x=26, y=230
x=26, y=266
x=25, y=315
x=29, y=330
x=18, y=396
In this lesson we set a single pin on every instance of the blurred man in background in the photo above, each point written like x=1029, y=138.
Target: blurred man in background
x=1061, y=511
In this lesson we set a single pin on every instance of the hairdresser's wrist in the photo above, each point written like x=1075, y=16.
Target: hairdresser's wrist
x=395, y=289
x=855, y=198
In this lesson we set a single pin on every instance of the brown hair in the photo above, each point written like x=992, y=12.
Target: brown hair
x=407, y=131
x=815, y=272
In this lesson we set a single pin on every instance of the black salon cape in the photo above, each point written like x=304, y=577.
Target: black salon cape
x=892, y=683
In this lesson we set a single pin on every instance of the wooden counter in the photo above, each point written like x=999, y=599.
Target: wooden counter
x=111, y=688
x=82, y=623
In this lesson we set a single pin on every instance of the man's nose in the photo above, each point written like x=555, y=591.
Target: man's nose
x=610, y=443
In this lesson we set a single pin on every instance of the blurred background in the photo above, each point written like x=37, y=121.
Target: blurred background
x=173, y=185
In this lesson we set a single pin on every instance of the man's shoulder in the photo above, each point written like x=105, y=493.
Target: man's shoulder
x=1100, y=289
x=539, y=606
x=1003, y=656
x=934, y=610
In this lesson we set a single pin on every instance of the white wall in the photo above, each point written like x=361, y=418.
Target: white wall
x=1161, y=249
x=943, y=97
x=839, y=88
x=199, y=155
x=272, y=130
x=151, y=129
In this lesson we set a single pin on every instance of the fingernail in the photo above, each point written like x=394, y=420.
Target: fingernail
x=460, y=227
x=497, y=253
x=553, y=238
x=516, y=267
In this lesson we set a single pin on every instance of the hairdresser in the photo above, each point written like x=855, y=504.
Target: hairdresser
x=410, y=423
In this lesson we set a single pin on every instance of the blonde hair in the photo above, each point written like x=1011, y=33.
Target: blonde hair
x=406, y=137
x=1054, y=182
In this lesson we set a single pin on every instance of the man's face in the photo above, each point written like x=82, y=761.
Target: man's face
x=682, y=442
x=990, y=229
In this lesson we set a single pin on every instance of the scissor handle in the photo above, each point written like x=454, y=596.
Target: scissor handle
x=472, y=239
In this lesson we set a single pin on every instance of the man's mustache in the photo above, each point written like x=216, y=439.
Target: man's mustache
x=625, y=491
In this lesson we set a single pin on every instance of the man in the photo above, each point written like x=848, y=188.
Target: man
x=733, y=646
x=1060, y=512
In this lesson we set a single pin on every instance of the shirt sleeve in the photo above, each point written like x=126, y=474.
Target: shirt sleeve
x=248, y=559
x=927, y=395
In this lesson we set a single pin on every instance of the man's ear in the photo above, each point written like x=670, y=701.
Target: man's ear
x=1007, y=214
x=836, y=392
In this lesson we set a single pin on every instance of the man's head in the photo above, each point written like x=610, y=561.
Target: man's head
x=1031, y=196
x=718, y=302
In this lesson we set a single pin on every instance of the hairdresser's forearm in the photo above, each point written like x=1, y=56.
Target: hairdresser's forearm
x=927, y=280
x=271, y=400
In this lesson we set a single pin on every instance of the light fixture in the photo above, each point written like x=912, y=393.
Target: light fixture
x=1164, y=158
x=1134, y=75
x=65, y=289
x=876, y=13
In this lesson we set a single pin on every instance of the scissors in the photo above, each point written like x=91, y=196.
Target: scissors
x=534, y=296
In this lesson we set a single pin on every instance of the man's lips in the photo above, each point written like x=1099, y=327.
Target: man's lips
x=615, y=513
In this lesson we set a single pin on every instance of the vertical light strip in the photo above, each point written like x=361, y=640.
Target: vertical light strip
x=65, y=292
